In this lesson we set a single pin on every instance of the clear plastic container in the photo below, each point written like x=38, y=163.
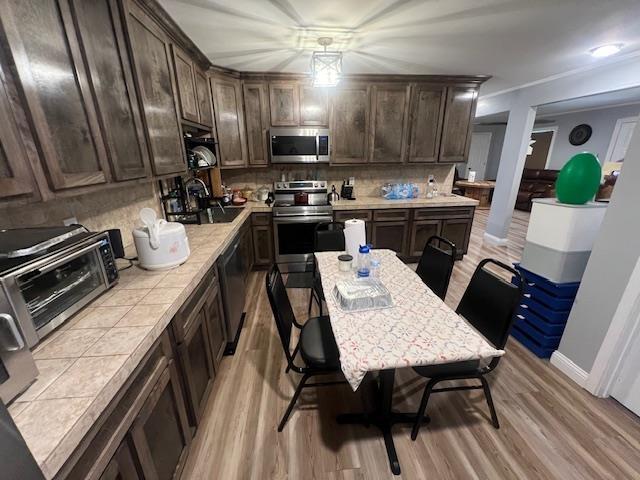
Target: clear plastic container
x=374, y=268
x=364, y=261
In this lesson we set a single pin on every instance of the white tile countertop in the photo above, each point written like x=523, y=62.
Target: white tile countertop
x=366, y=203
x=86, y=361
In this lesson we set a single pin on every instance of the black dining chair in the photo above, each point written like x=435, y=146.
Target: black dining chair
x=316, y=343
x=436, y=264
x=488, y=305
x=327, y=237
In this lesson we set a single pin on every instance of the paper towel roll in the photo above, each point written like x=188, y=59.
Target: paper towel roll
x=354, y=236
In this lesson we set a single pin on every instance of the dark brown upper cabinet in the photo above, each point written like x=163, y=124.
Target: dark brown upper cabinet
x=350, y=112
x=229, y=115
x=102, y=40
x=154, y=76
x=284, y=100
x=57, y=93
x=389, y=122
x=256, y=108
x=457, y=125
x=185, y=81
x=314, y=106
x=15, y=174
x=425, y=123
x=203, y=94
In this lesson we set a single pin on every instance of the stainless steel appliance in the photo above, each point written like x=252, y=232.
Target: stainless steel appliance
x=46, y=275
x=231, y=269
x=294, y=224
x=15, y=457
x=299, y=145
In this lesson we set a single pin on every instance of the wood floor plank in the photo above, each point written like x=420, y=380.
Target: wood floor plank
x=550, y=427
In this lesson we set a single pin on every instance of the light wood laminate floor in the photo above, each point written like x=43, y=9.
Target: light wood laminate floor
x=550, y=428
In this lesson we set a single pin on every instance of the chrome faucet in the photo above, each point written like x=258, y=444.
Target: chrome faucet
x=192, y=180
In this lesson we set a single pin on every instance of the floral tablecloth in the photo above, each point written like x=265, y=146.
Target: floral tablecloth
x=418, y=330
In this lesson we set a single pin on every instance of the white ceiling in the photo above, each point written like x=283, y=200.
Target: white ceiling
x=547, y=111
x=516, y=41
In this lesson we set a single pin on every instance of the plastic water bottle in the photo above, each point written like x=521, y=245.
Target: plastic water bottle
x=374, y=268
x=364, y=261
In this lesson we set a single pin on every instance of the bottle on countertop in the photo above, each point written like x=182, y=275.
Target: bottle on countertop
x=430, y=186
x=364, y=261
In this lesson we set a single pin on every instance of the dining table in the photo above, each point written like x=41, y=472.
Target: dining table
x=417, y=329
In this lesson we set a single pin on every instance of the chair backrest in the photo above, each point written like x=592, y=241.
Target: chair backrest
x=329, y=237
x=489, y=303
x=436, y=264
x=281, y=308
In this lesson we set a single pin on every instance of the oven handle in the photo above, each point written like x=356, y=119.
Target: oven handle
x=17, y=340
x=68, y=258
x=306, y=219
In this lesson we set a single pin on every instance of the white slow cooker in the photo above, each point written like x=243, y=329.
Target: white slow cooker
x=164, y=245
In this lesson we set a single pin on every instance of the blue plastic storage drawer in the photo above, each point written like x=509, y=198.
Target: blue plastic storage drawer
x=548, y=314
x=550, y=341
x=563, y=290
x=540, y=323
x=547, y=298
x=529, y=343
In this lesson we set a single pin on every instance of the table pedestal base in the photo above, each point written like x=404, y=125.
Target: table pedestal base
x=383, y=418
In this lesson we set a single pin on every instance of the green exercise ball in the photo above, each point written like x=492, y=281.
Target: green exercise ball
x=579, y=179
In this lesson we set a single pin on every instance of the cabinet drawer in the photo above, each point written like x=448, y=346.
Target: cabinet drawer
x=390, y=215
x=343, y=215
x=189, y=311
x=446, y=212
x=261, y=218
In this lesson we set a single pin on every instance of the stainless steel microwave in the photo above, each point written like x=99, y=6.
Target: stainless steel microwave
x=299, y=145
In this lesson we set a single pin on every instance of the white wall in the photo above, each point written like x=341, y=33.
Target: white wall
x=602, y=122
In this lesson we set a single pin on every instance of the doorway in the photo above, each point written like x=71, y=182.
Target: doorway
x=540, y=148
x=478, y=155
x=620, y=139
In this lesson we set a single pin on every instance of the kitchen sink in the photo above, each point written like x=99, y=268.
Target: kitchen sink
x=218, y=216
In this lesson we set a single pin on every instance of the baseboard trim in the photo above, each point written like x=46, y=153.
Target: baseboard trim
x=570, y=369
x=495, y=241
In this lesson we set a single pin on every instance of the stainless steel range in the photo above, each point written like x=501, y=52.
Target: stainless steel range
x=299, y=206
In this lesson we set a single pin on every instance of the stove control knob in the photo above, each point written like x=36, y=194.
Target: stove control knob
x=315, y=184
x=278, y=185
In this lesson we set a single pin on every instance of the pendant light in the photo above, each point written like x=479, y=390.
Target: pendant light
x=326, y=67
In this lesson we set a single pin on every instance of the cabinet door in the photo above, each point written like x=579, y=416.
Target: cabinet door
x=457, y=230
x=122, y=466
x=263, y=245
x=314, y=106
x=102, y=39
x=457, y=126
x=389, y=117
x=391, y=235
x=421, y=231
x=15, y=175
x=215, y=323
x=196, y=361
x=285, y=104
x=203, y=95
x=154, y=77
x=425, y=123
x=160, y=433
x=256, y=109
x=227, y=104
x=186, y=85
x=350, y=109
x=48, y=61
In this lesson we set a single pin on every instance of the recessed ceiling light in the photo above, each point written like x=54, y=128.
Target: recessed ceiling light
x=606, y=50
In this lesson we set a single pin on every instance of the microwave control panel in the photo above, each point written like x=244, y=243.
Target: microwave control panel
x=108, y=261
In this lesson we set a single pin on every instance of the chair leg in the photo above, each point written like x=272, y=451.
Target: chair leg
x=293, y=355
x=423, y=406
x=292, y=402
x=310, y=300
x=492, y=408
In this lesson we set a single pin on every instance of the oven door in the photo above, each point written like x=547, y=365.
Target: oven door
x=51, y=292
x=293, y=238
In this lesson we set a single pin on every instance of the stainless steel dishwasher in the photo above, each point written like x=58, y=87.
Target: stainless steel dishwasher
x=231, y=269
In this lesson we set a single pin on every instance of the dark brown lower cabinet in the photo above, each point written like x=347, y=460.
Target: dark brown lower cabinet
x=214, y=314
x=196, y=362
x=263, y=254
x=421, y=230
x=123, y=465
x=390, y=235
x=160, y=433
x=457, y=230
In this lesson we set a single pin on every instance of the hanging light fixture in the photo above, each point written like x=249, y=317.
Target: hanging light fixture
x=326, y=67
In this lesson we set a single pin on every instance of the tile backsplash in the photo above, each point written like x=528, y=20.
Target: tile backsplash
x=101, y=210
x=368, y=179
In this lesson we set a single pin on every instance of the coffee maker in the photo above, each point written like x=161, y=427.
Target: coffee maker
x=346, y=191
